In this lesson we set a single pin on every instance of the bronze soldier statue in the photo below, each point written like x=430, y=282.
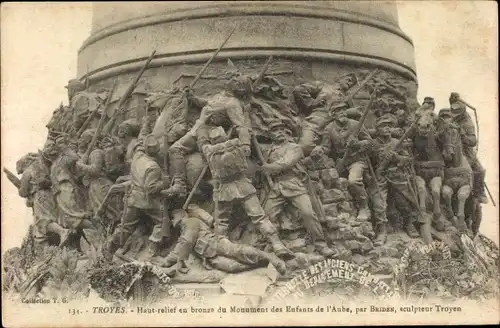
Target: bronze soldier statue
x=96, y=182
x=35, y=187
x=316, y=100
x=144, y=195
x=197, y=236
x=334, y=144
x=217, y=111
x=82, y=104
x=128, y=131
x=64, y=176
x=469, y=141
x=394, y=180
x=289, y=189
x=228, y=165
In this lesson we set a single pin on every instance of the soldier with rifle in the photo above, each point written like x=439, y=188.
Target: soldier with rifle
x=223, y=109
x=469, y=141
x=315, y=101
x=144, y=196
x=228, y=164
x=392, y=176
x=347, y=147
x=289, y=188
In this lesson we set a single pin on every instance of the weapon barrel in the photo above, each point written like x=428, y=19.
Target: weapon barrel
x=361, y=85
x=132, y=86
x=211, y=59
x=355, y=132
x=12, y=178
x=100, y=124
x=384, y=163
x=195, y=187
x=261, y=159
x=128, y=92
x=262, y=72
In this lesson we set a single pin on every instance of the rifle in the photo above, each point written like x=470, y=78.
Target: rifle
x=255, y=143
x=357, y=88
x=315, y=202
x=165, y=224
x=477, y=143
x=116, y=188
x=12, y=178
x=349, y=98
x=191, y=85
x=200, y=177
x=355, y=132
x=128, y=92
x=86, y=124
x=99, y=126
x=385, y=162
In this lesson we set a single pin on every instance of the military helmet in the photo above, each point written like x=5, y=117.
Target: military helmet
x=352, y=113
x=428, y=100
x=87, y=135
x=177, y=216
x=454, y=96
x=444, y=112
x=387, y=119
x=76, y=85
x=351, y=76
x=131, y=125
x=25, y=161
x=279, y=125
x=240, y=83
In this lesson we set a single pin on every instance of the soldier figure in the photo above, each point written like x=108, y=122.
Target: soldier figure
x=316, y=100
x=95, y=180
x=197, y=236
x=63, y=176
x=114, y=158
x=283, y=159
x=394, y=177
x=469, y=141
x=144, y=194
x=215, y=112
x=334, y=143
x=128, y=131
x=228, y=165
x=77, y=102
x=35, y=187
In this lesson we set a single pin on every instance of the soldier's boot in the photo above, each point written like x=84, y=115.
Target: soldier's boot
x=177, y=167
x=323, y=249
x=109, y=249
x=479, y=190
x=278, y=263
x=270, y=232
x=358, y=192
x=381, y=234
x=411, y=230
x=153, y=248
x=63, y=233
x=183, y=256
x=168, y=260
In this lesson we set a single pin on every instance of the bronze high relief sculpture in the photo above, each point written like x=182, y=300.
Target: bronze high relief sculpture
x=208, y=162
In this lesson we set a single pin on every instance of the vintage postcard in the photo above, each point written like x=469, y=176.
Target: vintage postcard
x=249, y=163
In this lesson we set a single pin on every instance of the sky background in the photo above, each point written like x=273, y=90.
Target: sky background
x=455, y=50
